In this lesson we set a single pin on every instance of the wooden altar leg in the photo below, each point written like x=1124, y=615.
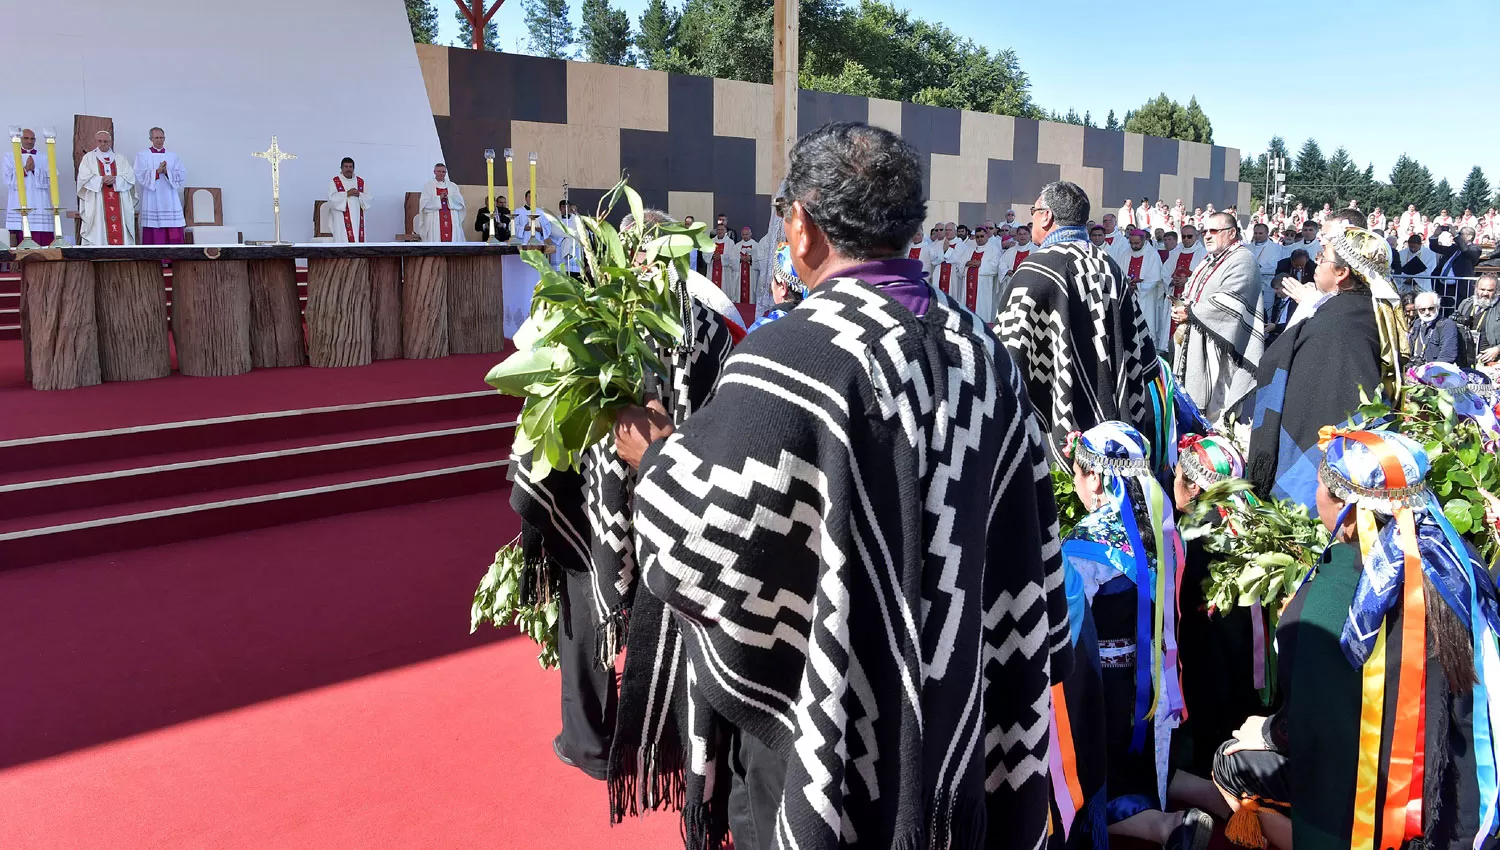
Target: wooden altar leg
x=476, y=315
x=131, y=303
x=385, y=304
x=60, y=334
x=339, y=322
x=275, y=315
x=424, y=308
x=211, y=317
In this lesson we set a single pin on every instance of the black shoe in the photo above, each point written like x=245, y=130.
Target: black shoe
x=1196, y=830
x=593, y=773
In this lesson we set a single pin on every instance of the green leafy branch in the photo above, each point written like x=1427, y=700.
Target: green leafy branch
x=586, y=349
x=1069, y=509
x=497, y=601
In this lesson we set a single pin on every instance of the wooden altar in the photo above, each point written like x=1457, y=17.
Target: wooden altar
x=100, y=313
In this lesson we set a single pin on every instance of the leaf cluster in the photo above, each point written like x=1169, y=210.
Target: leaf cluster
x=589, y=344
x=1261, y=549
x=497, y=601
x=1069, y=509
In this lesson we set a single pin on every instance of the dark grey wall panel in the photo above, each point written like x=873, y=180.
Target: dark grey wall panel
x=1103, y=149
x=733, y=165
x=690, y=106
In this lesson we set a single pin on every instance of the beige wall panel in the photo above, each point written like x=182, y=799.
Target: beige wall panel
x=551, y=143
x=764, y=184
x=475, y=197
x=1174, y=186
x=959, y=178
x=1135, y=151
x=988, y=136
x=885, y=113
x=742, y=109
x=941, y=211
x=1194, y=159
x=1092, y=181
x=593, y=95
x=1060, y=144
x=1231, y=164
x=594, y=153
x=699, y=205
x=643, y=99
x=434, y=62
x=1244, y=200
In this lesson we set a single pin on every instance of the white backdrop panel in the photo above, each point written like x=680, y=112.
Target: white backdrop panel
x=331, y=78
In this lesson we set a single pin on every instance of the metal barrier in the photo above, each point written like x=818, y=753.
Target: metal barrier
x=1451, y=290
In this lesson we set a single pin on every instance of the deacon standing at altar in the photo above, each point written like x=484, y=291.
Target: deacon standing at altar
x=106, y=201
x=441, y=209
x=34, y=164
x=347, y=204
x=160, y=178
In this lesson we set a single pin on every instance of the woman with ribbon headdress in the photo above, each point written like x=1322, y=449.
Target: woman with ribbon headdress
x=1123, y=563
x=1313, y=374
x=1224, y=654
x=1388, y=669
x=787, y=289
x=1471, y=393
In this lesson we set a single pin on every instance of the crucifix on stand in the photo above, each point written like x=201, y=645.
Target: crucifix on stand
x=275, y=155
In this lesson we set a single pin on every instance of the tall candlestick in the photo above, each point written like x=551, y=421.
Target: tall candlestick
x=510, y=182
x=51, y=136
x=24, y=209
x=536, y=204
x=489, y=170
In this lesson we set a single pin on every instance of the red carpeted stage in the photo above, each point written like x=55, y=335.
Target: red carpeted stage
x=237, y=616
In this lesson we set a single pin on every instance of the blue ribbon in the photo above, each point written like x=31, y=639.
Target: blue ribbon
x=1141, y=577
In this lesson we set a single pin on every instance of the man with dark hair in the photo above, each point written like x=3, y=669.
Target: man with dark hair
x=1074, y=328
x=858, y=537
x=348, y=204
x=1456, y=255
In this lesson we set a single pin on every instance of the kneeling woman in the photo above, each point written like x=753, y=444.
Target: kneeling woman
x=1389, y=668
x=1123, y=562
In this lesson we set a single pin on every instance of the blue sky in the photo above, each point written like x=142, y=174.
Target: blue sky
x=1254, y=76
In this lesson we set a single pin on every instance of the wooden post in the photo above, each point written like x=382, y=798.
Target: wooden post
x=476, y=314
x=60, y=335
x=211, y=317
x=784, y=30
x=424, y=308
x=131, y=304
x=339, y=319
x=385, y=303
x=275, y=315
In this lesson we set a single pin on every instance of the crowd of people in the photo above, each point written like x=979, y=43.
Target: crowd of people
x=831, y=550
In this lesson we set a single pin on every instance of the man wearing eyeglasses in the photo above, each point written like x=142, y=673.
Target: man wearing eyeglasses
x=1185, y=258
x=1434, y=339
x=1309, y=241
x=1223, y=319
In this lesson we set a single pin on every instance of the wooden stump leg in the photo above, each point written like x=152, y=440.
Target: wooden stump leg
x=339, y=320
x=385, y=304
x=275, y=315
x=424, y=308
x=211, y=317
x=131, y=301
x=476, y=316
x=61, y=334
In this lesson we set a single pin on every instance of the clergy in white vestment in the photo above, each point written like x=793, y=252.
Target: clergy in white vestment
x=1308, y=242
x=1267, y=253
x=1183, y=260
x=1141, y=219
x=348, y=205
x=106, y=194
x=568, y=259
x=1142, y=270
x=530, y=225
x=718, y=262
x=1179, y=216
x=745, y=267
x=1115, y=240
x=981, y=278
x=687, y=221
x=440, y=211
x=942, y=258
x=1127, y=211
x=38, y=185
x=159, y=180
x=1377, y=220
x=1015, y=255
x=917, y=245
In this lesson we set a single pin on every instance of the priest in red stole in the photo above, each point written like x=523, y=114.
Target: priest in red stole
x=441, y=216
x=1184, y=260
x=745, y=265
x=724, y=256
x=106, y=194
x=344, y=214
x=1145, y=277
x=981, y=278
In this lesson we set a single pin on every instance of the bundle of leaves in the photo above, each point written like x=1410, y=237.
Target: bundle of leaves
x=589, y=344
x=1261, y=550
x=497, y=601
x=1069, y=509
x=1462, y=465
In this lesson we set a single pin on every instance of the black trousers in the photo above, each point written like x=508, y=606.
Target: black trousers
x=757, y=778
x=589, y=694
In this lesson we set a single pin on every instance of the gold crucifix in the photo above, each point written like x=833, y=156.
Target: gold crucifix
x=275, y=155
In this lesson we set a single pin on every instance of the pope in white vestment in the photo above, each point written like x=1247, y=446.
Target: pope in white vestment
x=440, y=212
x=106, y=195
x=38, y=187
x=160, y=178
x=348, y=205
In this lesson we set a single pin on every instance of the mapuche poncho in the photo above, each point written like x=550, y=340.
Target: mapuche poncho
x=859, y=538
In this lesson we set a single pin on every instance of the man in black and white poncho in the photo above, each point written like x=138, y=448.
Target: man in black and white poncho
x=1074, y=327
x=858, y=536
x=578, y=541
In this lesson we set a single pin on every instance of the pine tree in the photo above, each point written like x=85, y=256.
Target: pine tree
x=657, y=34
x=1154, y=118
x=550, y=28
x=1475, y=195
x=423, y=17
x=1308, y=177
x=605, y=34
x=1110, y=122
x=1342, y=178
x=466, y=33
x=1443, y=198
x=1196, y=124
x=1411, y=183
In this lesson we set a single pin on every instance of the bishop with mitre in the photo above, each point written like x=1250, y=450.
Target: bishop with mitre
x=160, y=177
x=34, y=169
x=344, y=214
x=106, y=194
x=441, y=216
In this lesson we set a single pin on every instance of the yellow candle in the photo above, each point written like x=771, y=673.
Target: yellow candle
x=489, y=167
x=15, y=143
x=536, y=204
x=52, y=169
x=510, y=180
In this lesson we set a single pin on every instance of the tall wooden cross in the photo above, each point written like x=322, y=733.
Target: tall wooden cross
x=275, y=155
x=785, y=31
